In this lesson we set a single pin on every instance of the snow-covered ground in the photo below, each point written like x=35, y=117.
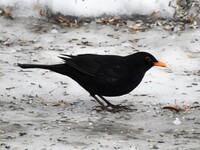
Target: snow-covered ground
x=91, y=8
x=32, y=118
x=43, y=110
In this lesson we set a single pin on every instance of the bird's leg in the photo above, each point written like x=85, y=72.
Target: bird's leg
x=109, y=104
x=115, y=107
x=102, y=104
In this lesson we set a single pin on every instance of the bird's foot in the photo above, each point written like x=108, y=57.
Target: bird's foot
x=113, y=108
x=110, y=107
x=101, y=108
x=118, y=108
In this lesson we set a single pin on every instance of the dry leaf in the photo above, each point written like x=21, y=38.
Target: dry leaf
x=7, y=43
x=106, y=21
x=176, y=108
x=141, y=129
x=116, y=35
x=155, y=15
x=136, y=27
x=6, y=11
x=42, y=12
x=65, y=22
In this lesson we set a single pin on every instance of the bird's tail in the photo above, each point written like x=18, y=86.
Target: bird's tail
x=63, y=69
x=59, y=68
x=26, y=66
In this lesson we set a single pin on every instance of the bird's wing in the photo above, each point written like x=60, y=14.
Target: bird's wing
x=69, y=60
x=104, y=68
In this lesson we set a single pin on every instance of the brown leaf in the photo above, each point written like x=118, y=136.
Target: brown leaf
x=106, y=21
x=141, y=129
x=176, y=108
x=6, y=11
x=42, y=12
x=116, y=35
x=155, y=15
x=136, y=27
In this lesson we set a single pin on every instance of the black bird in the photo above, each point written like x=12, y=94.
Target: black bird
x=104, y=75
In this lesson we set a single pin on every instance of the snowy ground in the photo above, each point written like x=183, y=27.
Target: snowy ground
x=89, y=8
x=33, y=115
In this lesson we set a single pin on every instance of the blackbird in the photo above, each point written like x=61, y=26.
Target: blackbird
x=104, y=75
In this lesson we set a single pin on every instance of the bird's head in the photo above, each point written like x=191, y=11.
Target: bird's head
x=146, y=60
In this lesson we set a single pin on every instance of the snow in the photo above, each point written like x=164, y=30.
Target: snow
x=92, y=8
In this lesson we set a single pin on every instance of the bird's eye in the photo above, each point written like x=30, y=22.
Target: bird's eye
x=148, y=59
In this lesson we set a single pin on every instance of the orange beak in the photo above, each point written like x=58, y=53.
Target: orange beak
x=160, y=64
